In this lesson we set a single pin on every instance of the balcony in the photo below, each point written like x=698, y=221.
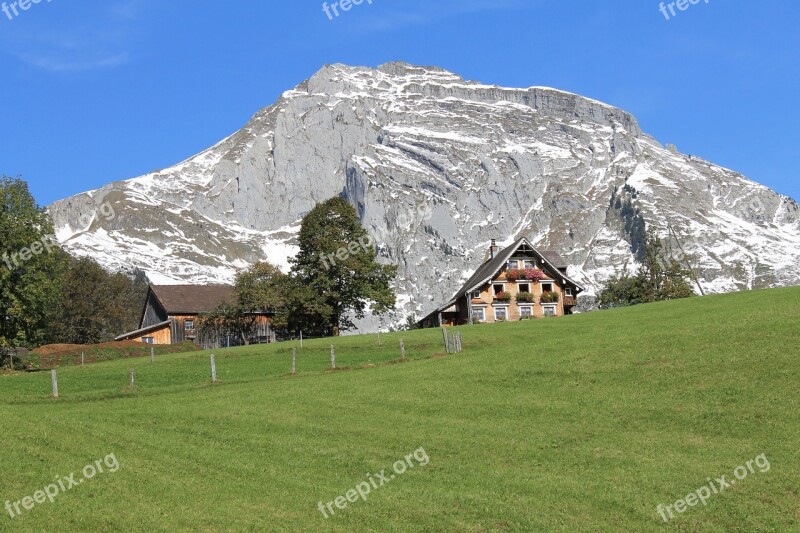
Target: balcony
x=569, y=301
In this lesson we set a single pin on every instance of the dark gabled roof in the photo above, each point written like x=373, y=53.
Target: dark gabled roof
x=143, y=331
x=191, y=299
x=554, y=258
x=490, y=268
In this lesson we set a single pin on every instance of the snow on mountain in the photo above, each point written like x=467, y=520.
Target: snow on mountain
x=437, y=167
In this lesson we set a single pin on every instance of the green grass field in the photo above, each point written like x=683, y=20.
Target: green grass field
x=582, y=423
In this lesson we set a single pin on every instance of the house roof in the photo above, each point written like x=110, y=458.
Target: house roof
x=143, y=331
x=554, y=258
x=191, y=299
x=491, y=267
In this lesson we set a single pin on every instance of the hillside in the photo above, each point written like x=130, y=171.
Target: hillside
x=437, y=166
x=580, y=423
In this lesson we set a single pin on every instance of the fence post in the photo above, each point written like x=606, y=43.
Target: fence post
x=54, y=378
x=82, y=359
x=294, y=361
x=460, y=349
x=213, y=369
x=333, y=358
x=152, y=356
x=446, y=341
x=402, y=350
x=132, y=382
x=301, y=338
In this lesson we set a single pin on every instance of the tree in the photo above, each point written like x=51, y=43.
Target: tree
x=31, y=266
x=262, y=287
x=336, y=270
x=94, y=305
x=659, y=278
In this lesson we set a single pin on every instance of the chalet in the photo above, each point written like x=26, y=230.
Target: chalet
x=516, y=283
x=171, y=313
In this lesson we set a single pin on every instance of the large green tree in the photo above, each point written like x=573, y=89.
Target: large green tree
x=31, y=266
x=336, y=271
x=660, y=277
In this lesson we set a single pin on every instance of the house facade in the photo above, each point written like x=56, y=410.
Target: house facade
x=516, y=283
x=171, y=314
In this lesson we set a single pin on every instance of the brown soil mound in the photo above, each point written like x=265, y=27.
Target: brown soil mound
x=76, y=349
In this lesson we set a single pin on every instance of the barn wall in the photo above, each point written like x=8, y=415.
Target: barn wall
x=160, y=336
x=153, y=312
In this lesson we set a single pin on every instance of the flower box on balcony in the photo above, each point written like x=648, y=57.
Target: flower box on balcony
x=549, y=297
x=525, y=297
x=503, y=297
x=525, y=274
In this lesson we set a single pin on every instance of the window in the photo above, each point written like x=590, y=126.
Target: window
x=512, y=264
x=148, y=340
x=476, y=294
x=525, y=311
x=479, y=315
x=568, y=291
x=547, y=287
x=501, y=313
x=530, y=263
x=189, y=324
x=498, y=288
x=549, y=310
x=524, y=287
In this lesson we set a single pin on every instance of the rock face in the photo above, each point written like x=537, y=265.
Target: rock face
x=436, y=167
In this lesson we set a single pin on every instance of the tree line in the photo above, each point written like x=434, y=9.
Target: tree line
x=48, y=296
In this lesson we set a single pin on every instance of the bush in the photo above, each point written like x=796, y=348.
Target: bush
x=15, y=360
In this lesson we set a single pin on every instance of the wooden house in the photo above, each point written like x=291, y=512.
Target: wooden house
x=171, y=313
x=516, y=283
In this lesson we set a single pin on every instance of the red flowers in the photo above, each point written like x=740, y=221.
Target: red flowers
x=528, y=274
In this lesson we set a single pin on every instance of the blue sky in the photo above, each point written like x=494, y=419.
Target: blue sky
x=95, y=92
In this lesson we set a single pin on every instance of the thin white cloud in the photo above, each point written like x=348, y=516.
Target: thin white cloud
x=81, y=38
x=390, y=16
x=55, y=64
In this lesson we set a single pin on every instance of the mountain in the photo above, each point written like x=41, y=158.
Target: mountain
x=437, y=167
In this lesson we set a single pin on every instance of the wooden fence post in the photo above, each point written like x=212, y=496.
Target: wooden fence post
x=446, y=341
x=213, y=369
x=132, y=381
x=54, y=378
x=294, y=361
x=301, y=338
x=152, y=355
x=333, y=358
x=402, y=350
x=82, y=360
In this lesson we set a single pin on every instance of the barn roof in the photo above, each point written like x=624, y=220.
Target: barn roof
x=191, y=299
x=143, y=331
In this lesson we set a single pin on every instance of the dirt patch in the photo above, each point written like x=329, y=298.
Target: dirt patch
x=53, y=355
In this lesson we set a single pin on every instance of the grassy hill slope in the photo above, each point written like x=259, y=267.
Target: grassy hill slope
x=577, y=423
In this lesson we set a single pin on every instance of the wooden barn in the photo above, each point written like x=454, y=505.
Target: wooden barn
x=516, y=283
x=171, y=314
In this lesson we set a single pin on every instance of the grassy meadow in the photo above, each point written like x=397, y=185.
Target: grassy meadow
x=581, y=423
